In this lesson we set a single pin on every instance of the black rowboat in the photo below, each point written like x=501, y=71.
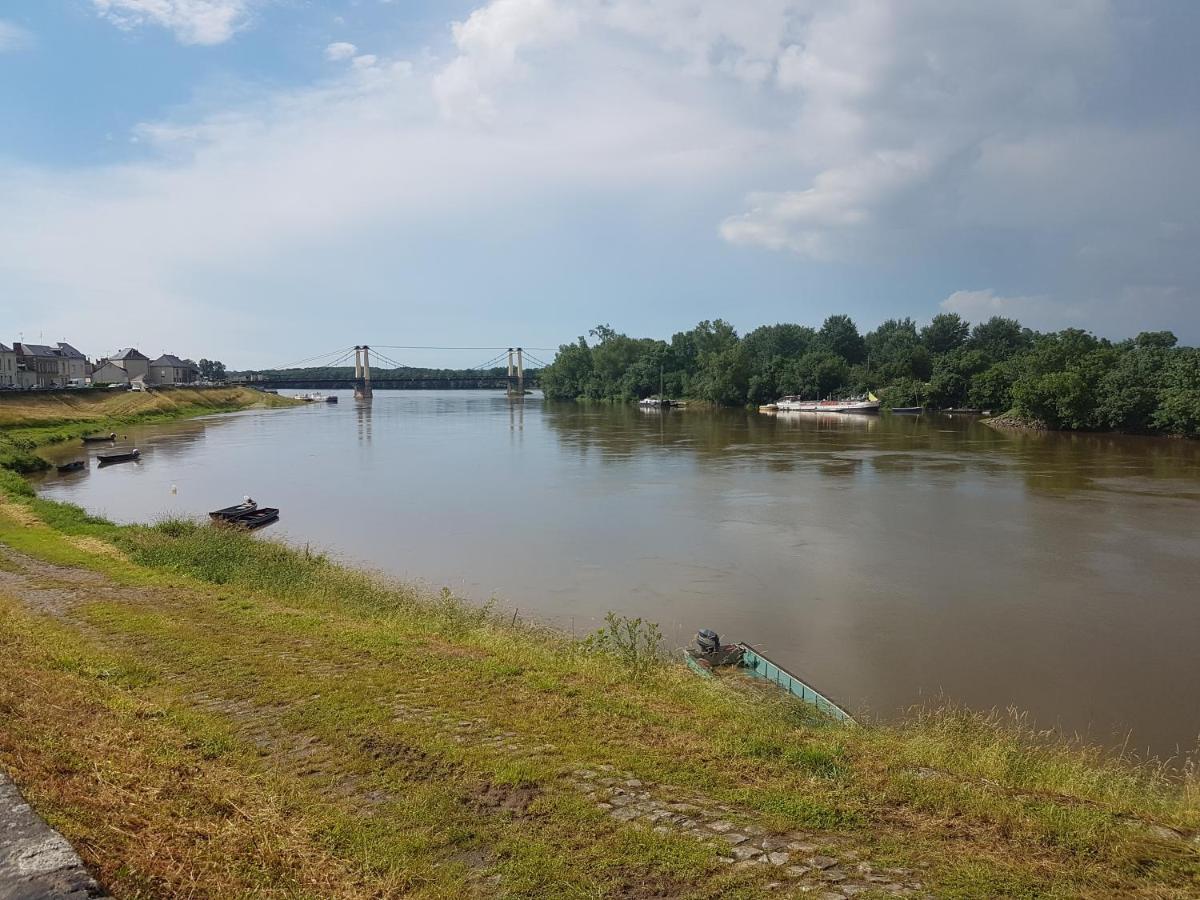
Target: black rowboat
x=122, y=456
x=99, y=438
x=75, y=466
x=233, y=512
x=907, y=410
x=256, y=518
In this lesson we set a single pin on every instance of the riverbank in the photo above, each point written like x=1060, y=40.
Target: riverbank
x=35, y=419
x=206, y=713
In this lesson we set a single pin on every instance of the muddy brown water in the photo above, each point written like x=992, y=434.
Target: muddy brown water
x=890, y=560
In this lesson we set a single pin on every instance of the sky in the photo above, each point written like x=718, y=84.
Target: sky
x=261, y=181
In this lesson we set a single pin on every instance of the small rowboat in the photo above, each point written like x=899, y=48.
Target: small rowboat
x=77, y=465
x=99, y=438
x=256, y=518
x=233, y=512
x=907, y=410
x=123, y=456
x=710, y=654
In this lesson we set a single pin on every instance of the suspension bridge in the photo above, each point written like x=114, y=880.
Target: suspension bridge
x=506, y=370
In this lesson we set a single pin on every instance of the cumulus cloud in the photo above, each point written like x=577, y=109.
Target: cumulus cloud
x=191, y=21
x=1040, y=140
x=340, y=50
x=13, y=37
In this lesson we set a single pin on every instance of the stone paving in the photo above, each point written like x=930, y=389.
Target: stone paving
x=36, y=862
x=801, y=863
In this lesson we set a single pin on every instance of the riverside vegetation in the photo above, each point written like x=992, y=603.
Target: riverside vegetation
x=209, y=714
x=1067, y=379
x=30, y=420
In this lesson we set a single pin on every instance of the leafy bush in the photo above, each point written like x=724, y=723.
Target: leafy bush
x=637, y=645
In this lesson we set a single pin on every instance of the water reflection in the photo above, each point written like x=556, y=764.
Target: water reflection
x=891, y=559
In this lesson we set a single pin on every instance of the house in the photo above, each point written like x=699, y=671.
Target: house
x=40, y=366
x=78, y=368
x=108, y=372
x=168, y=369
x=8, y=367
x=135, y=364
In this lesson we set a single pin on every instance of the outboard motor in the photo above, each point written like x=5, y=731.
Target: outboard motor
x=708, y=641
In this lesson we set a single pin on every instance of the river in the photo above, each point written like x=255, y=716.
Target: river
x=890, y=560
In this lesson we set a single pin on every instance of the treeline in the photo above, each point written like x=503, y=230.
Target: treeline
x=1067, y=379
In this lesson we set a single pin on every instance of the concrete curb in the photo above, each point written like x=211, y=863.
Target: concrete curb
x=36, y=862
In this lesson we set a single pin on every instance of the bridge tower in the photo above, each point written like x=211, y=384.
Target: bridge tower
x=362, y=372
x=516, y=382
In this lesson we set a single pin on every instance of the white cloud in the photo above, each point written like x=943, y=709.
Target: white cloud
x=830, y=129
x=340, y=50
x=191, y=21
x=13, y=37
x=1134, y=308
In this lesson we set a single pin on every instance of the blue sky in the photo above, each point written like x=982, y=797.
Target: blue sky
x=262, y=180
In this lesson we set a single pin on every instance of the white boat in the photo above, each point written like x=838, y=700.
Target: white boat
x=867, y=404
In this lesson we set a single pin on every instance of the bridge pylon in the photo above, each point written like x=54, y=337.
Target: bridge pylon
x=362, y=372
x=516, y=374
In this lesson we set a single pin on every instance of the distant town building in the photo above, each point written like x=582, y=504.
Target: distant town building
x=78, y=367
x=108, y=372
x=168, y=369
x=135, y=364
x=8, y=367
x=40, y=366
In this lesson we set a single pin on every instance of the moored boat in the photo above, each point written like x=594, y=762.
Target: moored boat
x=710, y=654
x=99, y=438
x=77, y=465
x=119, y=457
x=232, y=512
x=907, y=410
x=256, y=518
x=865, y=404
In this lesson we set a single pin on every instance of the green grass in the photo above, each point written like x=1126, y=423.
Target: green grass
x=257, y=708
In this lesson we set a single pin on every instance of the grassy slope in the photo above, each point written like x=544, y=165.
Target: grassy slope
x=208, y=714
x=28, y=421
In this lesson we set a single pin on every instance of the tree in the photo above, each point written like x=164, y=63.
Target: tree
x=945, y=332
x=1000, y=338
x=840, y=335
x=1179, y=399
x=894, y=350
x=211, y=370
x=567, y=378
x=816, y=374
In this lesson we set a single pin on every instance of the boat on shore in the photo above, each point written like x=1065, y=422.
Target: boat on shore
x=710, y=654
x=119, y=457
x=99, y=438
x=77, y=465
x=864, y=404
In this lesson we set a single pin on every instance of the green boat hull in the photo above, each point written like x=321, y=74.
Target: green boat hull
x=756, y=665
